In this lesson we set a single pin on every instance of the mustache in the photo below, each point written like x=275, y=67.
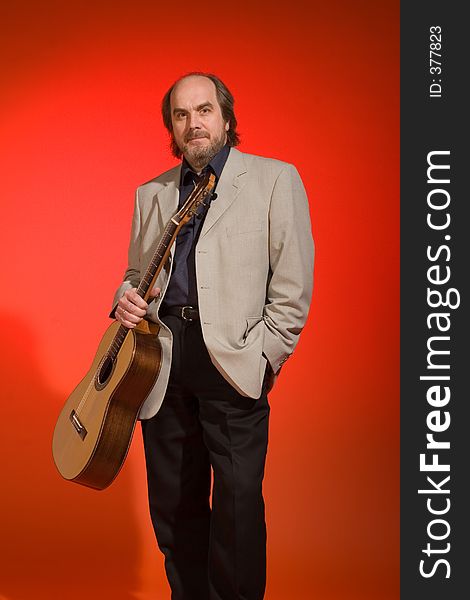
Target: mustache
x=196, y=135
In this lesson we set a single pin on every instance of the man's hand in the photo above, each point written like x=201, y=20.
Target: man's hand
x=131, y=308
x=269, y=378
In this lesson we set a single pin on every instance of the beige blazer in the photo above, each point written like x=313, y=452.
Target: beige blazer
x=254, y=268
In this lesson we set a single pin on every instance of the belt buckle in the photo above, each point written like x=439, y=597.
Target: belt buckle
x=183, y=313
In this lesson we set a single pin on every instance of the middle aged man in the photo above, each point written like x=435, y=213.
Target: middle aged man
x=231, y=303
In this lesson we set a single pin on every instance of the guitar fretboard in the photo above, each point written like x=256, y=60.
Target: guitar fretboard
x=170, y=232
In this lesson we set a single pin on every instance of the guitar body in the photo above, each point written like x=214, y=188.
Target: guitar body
x=94, y=429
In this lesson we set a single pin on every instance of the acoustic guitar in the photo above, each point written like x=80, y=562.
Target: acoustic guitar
x=95, y=427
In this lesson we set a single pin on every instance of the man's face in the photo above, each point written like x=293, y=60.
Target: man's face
x=198, y=127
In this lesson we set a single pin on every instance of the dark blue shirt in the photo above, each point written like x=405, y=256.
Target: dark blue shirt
x=182, y=288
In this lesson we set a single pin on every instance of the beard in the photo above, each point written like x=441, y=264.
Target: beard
x=197, y=157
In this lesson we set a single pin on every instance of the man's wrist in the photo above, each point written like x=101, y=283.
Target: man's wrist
x=269, y=366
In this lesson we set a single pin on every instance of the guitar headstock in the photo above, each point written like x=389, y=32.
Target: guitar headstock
x=196, y=198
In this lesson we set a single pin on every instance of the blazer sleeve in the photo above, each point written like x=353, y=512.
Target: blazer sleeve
x=291, y=255
x=132, y=275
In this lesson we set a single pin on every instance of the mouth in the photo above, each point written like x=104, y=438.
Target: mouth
x=196, y=138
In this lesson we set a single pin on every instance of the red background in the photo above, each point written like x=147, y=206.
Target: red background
x=316, y=84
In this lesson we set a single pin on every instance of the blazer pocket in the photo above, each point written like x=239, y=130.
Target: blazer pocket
x=243, y=227
x=250, y=323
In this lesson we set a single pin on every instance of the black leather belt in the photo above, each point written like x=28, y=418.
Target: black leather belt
x=187, y=313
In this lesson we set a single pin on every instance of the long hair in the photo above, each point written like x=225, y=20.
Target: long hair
x=225, y=100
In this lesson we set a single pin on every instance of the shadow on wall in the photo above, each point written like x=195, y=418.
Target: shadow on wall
x=58, y=539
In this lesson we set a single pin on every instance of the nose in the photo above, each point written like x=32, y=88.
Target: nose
x=194, y=121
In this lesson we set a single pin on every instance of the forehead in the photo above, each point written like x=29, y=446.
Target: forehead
x=193, y=91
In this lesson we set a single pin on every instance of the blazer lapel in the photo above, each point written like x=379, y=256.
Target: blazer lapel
x=167, y=203
x=228, y=187
x=168, y=196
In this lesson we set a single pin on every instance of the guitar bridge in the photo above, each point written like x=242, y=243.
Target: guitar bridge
x=81, y=430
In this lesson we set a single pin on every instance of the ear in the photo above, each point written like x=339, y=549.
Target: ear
x=227, y=125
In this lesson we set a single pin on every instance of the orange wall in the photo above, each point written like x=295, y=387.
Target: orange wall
x=316, y=84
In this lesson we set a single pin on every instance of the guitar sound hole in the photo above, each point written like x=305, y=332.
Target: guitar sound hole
x=105, y=372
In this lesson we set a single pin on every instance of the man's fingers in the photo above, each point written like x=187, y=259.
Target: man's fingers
x=155, y=292
x=131, y=308
x=131, y=317
x=133, y=297
x=127, y=318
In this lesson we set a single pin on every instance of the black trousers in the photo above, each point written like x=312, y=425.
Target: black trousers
x=213, y=552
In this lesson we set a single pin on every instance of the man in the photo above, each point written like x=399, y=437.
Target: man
x=231, y=303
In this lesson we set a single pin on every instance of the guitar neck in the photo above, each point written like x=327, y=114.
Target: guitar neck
x=186, y=212
x=146, y=283
x=201, y=192
x=159, y=258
